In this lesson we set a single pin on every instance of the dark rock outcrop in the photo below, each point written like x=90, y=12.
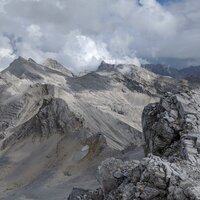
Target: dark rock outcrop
x=171, y=127
x=153, y=178
x=53, y=117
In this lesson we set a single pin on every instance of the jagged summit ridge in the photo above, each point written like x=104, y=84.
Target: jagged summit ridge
x=55, y=65
x=23, y=68
x=172, y=127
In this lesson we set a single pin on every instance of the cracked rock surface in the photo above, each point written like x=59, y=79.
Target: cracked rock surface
x=172, y=127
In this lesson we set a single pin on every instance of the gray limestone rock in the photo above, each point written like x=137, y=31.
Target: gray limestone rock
x=158, y=179
x=170, y=127
x=81, y=194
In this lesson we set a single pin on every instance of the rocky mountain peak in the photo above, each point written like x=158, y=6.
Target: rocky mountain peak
x=124, y=69
x=50, y=61
x=17, y=61
x=106, y=67
x=20, y=58
x=31, y=60
x=55, y=65
x=23, y=68
x=32, y=72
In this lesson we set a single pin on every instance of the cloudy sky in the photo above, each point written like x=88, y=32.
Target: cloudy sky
x=81, y=33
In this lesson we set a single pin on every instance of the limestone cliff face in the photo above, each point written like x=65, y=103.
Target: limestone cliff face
x=171, y=127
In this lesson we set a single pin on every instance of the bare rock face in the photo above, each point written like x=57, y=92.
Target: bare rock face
x=53, y=117
x=172, y=128
x=153, y=178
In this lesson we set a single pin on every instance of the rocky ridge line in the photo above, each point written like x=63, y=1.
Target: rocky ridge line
x=172, y=127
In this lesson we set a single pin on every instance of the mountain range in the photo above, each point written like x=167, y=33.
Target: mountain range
x=56, y=127
x=189, y=73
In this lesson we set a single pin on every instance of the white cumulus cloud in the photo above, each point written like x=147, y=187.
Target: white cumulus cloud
x=81, y=33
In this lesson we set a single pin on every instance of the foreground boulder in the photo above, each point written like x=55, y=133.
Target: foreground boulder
x=153, y=178
x=81, y=194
